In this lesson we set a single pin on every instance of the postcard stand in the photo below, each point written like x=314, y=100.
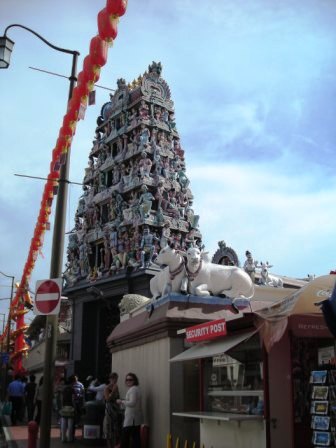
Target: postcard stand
x=323, y=407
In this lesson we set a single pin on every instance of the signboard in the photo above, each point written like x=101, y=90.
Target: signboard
x=48, y=296
x=204, y=332
x=309, y=327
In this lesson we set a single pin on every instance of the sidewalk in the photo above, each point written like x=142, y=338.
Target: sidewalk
x=17, y=437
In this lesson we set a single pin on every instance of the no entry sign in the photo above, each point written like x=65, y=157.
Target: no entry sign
x=48, y=296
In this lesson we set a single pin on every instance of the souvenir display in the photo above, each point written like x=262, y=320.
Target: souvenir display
x=323, y=406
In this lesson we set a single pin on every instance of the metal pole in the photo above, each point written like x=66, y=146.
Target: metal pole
x=55, y=272
x=9, y=321
x=9, y=330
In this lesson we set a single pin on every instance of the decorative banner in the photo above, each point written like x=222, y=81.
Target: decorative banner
x=108, y=19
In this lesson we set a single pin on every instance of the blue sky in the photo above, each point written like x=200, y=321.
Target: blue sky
x=254, y=89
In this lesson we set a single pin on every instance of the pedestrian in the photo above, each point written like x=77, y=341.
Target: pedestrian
x=130, y=436
x=78, y=398
x=58, y=397
x=38, y=400
x=112, y=422
x=98, y=386
x=30, y=391
x=67, y=412
x=15, y=393
x=22, y=417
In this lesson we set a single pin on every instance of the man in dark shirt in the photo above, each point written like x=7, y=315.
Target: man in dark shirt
x=30, y=391
x=78, y=397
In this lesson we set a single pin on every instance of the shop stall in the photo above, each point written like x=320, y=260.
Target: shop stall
x=255, y=381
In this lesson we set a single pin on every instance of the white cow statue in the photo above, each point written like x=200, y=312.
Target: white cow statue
x=205, y=278
x=266, y=278
x=172, y=278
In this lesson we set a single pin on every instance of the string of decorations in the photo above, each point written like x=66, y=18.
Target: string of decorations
x=107, y=20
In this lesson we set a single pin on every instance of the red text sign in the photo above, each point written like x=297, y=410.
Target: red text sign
x=209, y=330
x=48, y=296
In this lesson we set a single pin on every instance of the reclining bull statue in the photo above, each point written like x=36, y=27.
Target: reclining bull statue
x=205, y=278
x=193, y=273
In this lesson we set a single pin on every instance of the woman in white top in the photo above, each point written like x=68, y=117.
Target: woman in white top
x=133, y=413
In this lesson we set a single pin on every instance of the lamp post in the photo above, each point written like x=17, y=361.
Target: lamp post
x=6, y=46
x=8, y=329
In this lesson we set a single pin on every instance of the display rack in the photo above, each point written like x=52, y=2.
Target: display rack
x=323, y=407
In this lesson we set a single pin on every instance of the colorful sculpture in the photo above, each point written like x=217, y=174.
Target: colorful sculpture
x=136, y=195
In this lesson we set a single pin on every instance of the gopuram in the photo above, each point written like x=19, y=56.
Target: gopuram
x=136, y=199
x=136, y=195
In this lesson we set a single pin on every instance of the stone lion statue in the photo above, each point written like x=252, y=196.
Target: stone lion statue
x=131, y=301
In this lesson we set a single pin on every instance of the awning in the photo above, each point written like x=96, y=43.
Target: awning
x=206, y=350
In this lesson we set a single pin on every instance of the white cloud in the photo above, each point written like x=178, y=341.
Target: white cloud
x=261, y=207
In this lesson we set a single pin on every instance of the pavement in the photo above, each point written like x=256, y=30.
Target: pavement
x=17, y=437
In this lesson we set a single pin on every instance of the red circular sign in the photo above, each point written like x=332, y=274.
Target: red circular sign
x=47, y=297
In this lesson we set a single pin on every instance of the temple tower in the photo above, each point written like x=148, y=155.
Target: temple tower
x=136, y=192
x=136, y=196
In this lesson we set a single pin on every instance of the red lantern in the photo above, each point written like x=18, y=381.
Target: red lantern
x=107, y=25
x=53, y=178
x=69, y=126
x=116, y=7
x=92, y=70
x=83, y=86
x=73, y=106
x=81, y=91
x=62, y=142
x=98, y=51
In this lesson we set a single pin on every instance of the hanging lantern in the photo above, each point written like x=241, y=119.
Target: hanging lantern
x=80, y=97
x=98, y=51
x=107, y=25
x=116, y=7
x=69, y=121
x=73, y=107
x=53, y=179
x=83, y=85
x=69, y=127
x=91, y=69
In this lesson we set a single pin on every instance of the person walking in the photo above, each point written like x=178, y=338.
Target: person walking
x=15, y=393
x=130, y=436
x=30, y=391
x=78, y=398
x=112, y=422
x=67, y=412
x=38, y=400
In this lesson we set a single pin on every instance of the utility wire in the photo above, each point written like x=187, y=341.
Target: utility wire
x=63, y=76
x=45, y=178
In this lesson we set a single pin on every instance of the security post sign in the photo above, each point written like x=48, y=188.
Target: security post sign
x=48, y=296
x=204, y=332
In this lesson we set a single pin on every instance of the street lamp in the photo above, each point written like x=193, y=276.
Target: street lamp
x=8, y=330
x=6, y=46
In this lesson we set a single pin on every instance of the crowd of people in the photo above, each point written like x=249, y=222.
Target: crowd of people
x=122, y=416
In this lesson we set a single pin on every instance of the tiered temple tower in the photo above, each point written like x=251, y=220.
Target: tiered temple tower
x=136, y=192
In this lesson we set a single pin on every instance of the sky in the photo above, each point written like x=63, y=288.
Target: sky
x=254, y=87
